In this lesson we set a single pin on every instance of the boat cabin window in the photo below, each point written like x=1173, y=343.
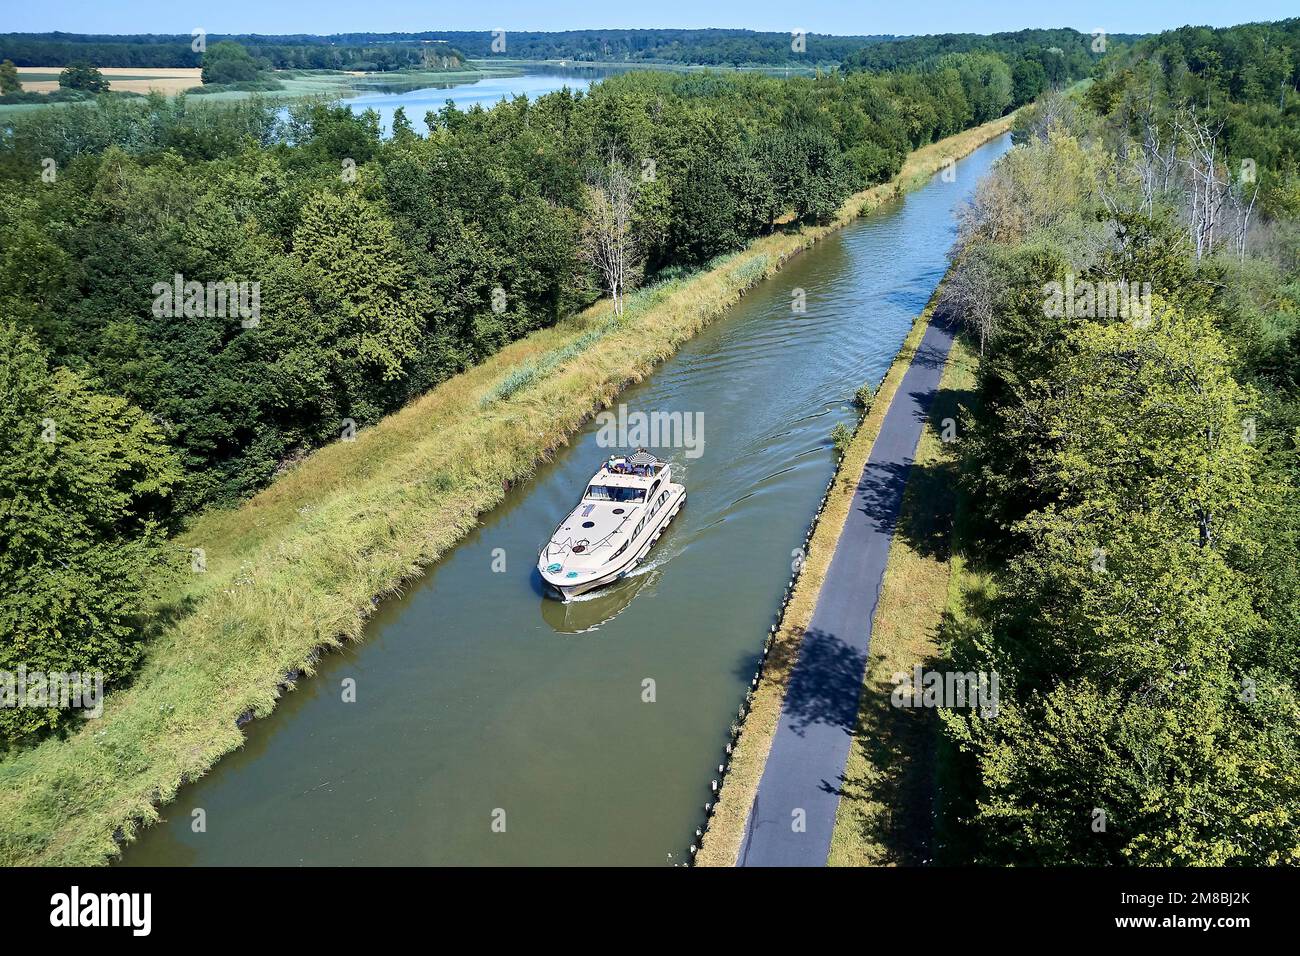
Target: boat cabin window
x=614, y=493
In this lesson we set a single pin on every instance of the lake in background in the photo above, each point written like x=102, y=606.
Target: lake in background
x=486, y=92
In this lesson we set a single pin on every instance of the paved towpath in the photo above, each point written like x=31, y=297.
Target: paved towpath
x=801, y=782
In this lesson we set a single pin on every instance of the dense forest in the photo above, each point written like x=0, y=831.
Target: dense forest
x=1039, y=59
x=227, y=288
x=390, y=51
x=368, y=52
x=1062, y=53
x=1131, y=273
x=703, y=47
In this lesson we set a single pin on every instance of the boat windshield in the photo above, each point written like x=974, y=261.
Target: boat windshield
x=614, y=493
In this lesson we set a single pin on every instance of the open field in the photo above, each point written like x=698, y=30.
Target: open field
x=132, y=79
x=300, y=567
x=296, y=84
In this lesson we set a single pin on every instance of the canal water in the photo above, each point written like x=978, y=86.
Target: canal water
x=492, y=725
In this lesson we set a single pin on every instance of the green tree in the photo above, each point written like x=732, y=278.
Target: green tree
x=704, y=215
x=9, y=82
x=83, y=76
x=986, y=79
x=815, y=180
x=753, y=179
x=1118, y=639
x=81, y=477
x=403, y=131
x=229, y=62
x=1028, y=79
x=360, y=281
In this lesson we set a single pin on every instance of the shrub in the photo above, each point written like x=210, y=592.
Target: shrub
x=841, y=437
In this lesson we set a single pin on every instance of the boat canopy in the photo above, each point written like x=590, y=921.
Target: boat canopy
x=641, y=464
x=643, y=457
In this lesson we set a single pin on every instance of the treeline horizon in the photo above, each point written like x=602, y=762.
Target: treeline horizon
x=175, y=51
x=390, y=51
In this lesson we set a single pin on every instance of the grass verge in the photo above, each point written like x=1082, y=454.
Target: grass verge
x=889, y=796
x=299, y=568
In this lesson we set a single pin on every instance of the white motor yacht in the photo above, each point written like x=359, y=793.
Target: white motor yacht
x=625, y=508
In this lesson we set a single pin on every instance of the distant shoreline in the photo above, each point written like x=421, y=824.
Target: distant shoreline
x=295, y=84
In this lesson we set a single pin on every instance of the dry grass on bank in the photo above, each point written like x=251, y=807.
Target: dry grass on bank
x=298, y=568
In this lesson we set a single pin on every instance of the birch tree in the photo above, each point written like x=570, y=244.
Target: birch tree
x=973, y=289
x=608, y=244
x=1209, y=189
x=1241, y=197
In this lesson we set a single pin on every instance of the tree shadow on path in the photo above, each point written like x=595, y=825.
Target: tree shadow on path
x=826, y=682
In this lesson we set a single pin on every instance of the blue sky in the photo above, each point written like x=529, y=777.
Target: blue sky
x=819, y=16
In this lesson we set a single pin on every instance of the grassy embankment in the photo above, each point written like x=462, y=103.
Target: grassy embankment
x=885, y=812
x=299, y=567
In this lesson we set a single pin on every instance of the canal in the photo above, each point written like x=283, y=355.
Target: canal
x=492, y=725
